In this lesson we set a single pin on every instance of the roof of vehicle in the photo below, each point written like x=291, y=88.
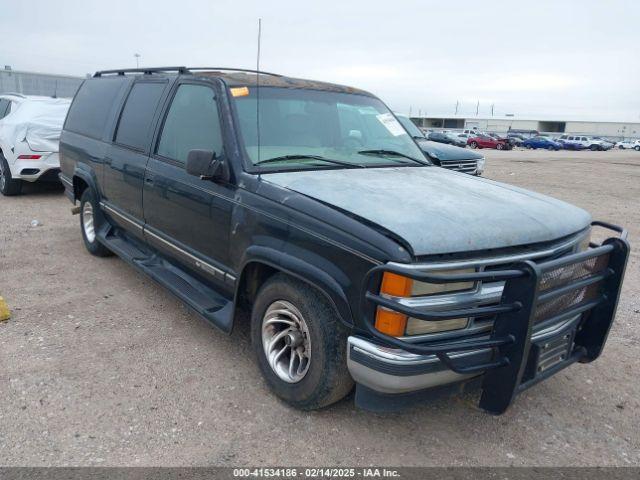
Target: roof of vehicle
x=240, y=78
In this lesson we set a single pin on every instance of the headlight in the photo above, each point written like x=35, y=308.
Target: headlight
x=584, y=243
x=480, y=165
x=397, y=324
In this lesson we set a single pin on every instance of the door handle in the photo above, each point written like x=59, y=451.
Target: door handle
x=148, y=180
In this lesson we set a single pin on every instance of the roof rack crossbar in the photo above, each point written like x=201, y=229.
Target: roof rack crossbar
x=180, y=70
x=122, y=71
x=230, y=69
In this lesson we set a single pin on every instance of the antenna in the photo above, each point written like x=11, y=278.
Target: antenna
x=258, y=86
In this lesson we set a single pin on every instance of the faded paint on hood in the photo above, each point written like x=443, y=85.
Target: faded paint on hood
x=438, y=211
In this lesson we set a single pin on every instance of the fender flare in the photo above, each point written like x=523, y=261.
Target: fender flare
x=302, y=270
x=88, y=176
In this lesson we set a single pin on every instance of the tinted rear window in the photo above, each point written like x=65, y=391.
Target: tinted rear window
x=91, y=106
x=138, y=111
x=4, y=106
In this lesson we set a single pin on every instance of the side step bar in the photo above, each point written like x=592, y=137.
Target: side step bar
x=207, y=302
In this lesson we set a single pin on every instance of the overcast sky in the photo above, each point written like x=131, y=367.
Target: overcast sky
x=552, y=59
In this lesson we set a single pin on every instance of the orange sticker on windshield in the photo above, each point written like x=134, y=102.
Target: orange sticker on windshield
x=240, y=91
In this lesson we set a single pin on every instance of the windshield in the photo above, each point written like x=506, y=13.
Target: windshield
x=411, y=127
x=313, y=128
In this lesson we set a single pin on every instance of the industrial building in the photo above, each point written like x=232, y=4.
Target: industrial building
x=30, y=83
x=504, y=124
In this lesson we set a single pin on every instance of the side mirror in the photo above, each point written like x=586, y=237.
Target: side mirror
x=203, y=164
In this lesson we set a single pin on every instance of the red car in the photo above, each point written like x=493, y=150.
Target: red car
x=486, y=141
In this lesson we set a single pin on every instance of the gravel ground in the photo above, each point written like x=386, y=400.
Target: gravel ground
x=100, y=366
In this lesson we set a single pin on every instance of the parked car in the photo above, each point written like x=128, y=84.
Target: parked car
x=580, y=142
x=439, y=137
x=568, y=142
x=516, y=139
x=487, y=141
x=446, y=156
x=511, y=141
x=355, y=258
x=606, y=141
x=471, y=132
x=30, y=128
x=542, y=142
x=465, y=136
x=456, y=139
x=629, y=144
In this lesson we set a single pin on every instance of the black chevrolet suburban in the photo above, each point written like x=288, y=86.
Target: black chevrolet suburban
x=309, y=206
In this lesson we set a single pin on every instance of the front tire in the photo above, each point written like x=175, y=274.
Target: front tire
x=499, y=146
x=299, y=343
x=89, y=221
x=8, y=185
x=637, y=148
x=473, y=145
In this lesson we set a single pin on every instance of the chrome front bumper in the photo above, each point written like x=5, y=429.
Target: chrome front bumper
x=395, y=371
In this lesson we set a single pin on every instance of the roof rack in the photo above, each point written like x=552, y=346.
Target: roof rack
x=228, y=69
x=122, y=71
x=180, y=70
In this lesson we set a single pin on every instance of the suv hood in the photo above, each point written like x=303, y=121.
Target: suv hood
x=438, y=211
x=442, y=151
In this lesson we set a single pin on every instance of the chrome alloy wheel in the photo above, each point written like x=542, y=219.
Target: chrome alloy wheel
x=87, y=222
x=286, y=341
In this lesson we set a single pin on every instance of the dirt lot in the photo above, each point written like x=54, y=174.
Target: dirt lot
x=100, y=366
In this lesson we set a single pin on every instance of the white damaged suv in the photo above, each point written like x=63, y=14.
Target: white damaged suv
x=30, y=129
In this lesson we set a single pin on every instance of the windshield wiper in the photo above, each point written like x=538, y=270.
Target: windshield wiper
x=383, y=152
x=308, y=157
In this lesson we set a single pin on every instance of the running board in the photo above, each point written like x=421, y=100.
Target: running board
x=205, y=301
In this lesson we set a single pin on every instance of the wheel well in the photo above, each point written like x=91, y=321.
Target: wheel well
x=254, y=275
x=79, y=186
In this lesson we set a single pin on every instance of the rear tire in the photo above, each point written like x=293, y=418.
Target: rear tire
x=594, y=148
x=8, y=185
x=637, y=148
x=304, y=327
x=473, y=145
x=499, y=146
x=90, y=220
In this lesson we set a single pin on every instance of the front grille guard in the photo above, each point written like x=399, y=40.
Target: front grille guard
x=524, y=292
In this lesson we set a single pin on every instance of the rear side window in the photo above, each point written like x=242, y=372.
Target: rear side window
x=4, y=107
x=191, y=123
x=89, y=112
x=138, y=111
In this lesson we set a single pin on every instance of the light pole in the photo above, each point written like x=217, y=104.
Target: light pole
x=137, y=55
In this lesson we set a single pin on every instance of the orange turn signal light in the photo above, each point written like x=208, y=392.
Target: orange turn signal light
x=387, y=321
